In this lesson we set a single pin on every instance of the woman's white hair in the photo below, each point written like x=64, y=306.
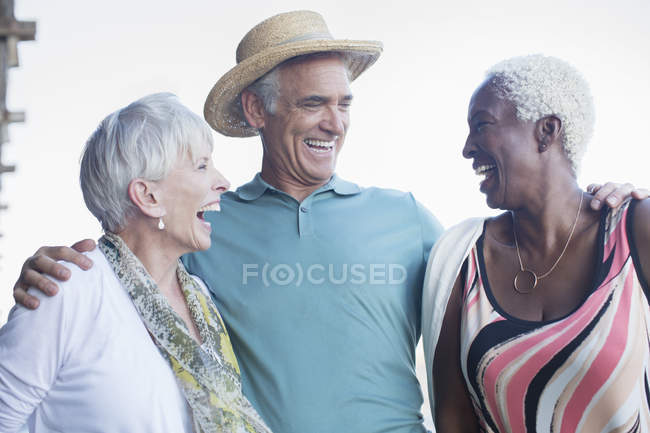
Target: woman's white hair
x=541, y=86
x=141, y=140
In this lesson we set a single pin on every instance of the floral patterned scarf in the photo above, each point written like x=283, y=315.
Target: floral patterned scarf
x=208, y=374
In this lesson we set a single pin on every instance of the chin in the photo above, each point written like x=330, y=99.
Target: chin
x=201, y=244
x=494, y=203
x=204, y=246
x=322, y=172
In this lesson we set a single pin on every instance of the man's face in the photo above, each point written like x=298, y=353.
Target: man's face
x=305, y=134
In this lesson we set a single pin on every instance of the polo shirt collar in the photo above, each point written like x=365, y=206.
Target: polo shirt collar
x=255, y=188
x=342, y=187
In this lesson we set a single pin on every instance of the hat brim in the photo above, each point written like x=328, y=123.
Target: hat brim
x=222, y=110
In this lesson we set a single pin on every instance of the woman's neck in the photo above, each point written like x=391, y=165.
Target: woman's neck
x=160, y=259
x=157, y=257
x=545, y=222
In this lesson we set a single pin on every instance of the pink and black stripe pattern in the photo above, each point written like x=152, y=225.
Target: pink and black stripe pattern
x=586, y=372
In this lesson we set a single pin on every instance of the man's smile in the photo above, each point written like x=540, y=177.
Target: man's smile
x=320, y=146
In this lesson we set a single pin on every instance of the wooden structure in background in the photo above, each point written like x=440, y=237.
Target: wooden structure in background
x=11, y=32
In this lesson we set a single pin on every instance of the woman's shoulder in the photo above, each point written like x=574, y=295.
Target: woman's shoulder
x=83, y=286
x=454, y=245
x=642, y=212
x=455, y=239
x=639, y=236
x=76, y=303
x=473, y=223
x=80, y=277
x=499, y=227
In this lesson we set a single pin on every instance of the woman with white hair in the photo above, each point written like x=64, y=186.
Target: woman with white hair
x=135, y=343
x=537, y=320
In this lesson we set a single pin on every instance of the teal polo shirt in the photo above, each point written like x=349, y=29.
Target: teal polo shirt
x=322, y=303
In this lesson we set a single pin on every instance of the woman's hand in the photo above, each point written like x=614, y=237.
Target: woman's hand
x=44, y=262
x=614, y=194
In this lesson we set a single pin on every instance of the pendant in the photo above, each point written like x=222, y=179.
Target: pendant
x=525, y=281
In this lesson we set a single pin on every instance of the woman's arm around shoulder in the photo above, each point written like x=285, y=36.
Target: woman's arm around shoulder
x=454, y=411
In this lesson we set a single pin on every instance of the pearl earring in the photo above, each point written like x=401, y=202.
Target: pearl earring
x=161, y=224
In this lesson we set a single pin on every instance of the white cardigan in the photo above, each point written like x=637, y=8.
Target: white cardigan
x=84, y=362
x=445, y=260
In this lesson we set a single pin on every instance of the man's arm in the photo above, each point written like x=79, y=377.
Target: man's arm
x=44, y=262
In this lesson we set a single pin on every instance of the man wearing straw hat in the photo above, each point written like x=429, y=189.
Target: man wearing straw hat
x=322, y=295
x=318, y=280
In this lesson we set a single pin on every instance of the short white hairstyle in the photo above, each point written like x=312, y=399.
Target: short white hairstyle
x=541, y=86
x=141, y=140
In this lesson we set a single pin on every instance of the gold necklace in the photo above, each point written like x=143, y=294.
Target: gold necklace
x=532, y=276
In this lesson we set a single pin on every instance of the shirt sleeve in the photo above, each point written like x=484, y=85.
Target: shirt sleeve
x=431, y=229
x=31, y=354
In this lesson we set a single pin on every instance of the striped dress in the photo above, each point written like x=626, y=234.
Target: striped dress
x=585, y=372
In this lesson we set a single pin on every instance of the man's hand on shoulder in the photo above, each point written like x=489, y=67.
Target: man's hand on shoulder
x=44, y=262
x=613, y=194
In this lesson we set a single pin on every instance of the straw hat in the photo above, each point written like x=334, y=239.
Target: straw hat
x=268, y=44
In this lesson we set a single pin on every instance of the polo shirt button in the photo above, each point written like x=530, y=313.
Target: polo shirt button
x=303, y=209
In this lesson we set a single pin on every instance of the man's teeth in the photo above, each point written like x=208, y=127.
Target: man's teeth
x=210, y=207
x=484, y=169
x=319, y=145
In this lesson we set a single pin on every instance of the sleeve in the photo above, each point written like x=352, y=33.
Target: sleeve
x=431, y=229
x=31, y=355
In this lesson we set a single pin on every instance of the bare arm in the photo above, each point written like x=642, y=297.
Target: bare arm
x=44, y=262
x=613, y=194
x=454, y=411
x=641, y=234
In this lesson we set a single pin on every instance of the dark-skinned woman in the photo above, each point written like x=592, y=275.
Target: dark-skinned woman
x=537, y=320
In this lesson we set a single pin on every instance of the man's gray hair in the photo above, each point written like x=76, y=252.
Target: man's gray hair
x=541, y=86
x=267, y=87
x=141, y=140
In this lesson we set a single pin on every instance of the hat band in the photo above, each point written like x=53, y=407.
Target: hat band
x=307, y=37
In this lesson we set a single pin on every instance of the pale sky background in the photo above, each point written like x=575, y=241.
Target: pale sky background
x=408, y=116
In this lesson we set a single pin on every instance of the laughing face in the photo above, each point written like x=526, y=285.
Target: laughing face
x=501, y=146
x=193, y=187
x=303, y=137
